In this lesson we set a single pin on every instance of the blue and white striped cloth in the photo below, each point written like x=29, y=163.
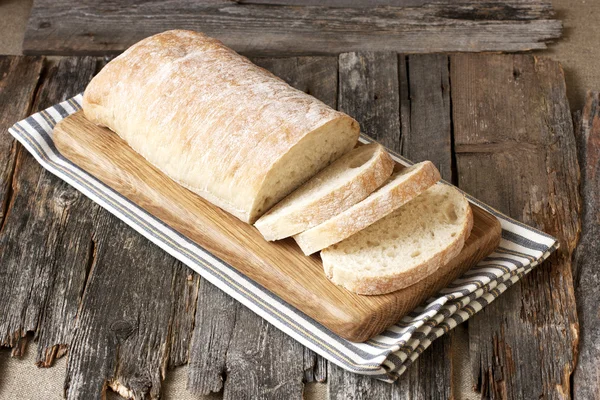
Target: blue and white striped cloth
x=385, y=356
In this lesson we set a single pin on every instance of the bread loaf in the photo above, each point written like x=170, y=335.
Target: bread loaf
x=216, y=123
x=406, y=246
x=339, y=186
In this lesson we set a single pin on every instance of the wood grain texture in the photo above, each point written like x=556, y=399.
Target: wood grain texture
x=343, y=3
x=18, y=81
x=236, y=351
x=426, y=135
x=279, y=266
x=90, y=27
x=419, y=382
x=317, y=76
x=344, y=385
x=46, y=236
x=184, y=296
x=216, y=312
x=264, y=363
x=49, y=242
x=141, y=350
x=430, y=376
x=369, y=93
x=425, y=110
x=586, y=379
x=515, y=151
x=122, y=332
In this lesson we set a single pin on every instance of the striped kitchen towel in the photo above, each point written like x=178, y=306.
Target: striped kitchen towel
x=385, y=356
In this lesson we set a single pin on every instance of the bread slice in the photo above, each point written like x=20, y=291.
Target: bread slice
x=404, y=185
x=404, y=247
x=341, y=185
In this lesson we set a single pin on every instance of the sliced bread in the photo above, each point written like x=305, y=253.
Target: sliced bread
x=404, y=247
x=341, y=185
x=404, y=185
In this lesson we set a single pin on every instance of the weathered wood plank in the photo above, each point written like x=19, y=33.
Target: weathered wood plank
x=515, y=151
x=430, y=376
x=426, y=135
x=586, y=379
x=263, y=362
x=183, y=316
x=317, y=76
x=216, y=320
x=91, y=27
x=343, y=3
x=46, y=237
x=356, y=3
x=425, y=110
x=315, y=367
x=369, y=93
x=344, y=385
x=233, y=348
x=73, y=213
x=18, y=80
x=121, y=337
x=236, y=351
x=421, y=381
x=49, y=242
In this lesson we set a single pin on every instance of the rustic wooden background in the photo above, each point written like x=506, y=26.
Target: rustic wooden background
x=498, y=126
x=294, y=27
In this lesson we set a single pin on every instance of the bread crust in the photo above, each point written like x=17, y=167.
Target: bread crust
x=373, y=208
x=209, y=118
x=325, y=207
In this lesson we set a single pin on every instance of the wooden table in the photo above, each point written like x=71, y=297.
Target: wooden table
x=498, y=126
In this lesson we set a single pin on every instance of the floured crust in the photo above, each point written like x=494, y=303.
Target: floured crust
x=374, y=284
x=212, y=120
x=277, y=224
x=379, y=204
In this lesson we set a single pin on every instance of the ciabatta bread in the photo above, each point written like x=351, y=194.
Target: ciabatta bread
x=404, y=247
x=403, y=186
x=214, y=122
x=339, y=186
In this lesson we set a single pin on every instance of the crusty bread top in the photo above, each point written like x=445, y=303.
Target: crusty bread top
x=404, y=247
x=403, y=186
x=214, y=121
x=344, y=183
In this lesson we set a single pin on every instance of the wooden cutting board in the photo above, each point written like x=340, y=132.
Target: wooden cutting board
x=278, y=266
